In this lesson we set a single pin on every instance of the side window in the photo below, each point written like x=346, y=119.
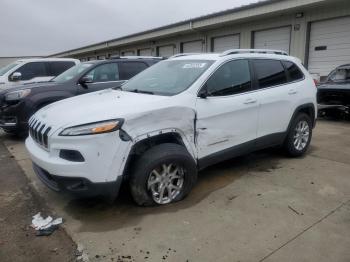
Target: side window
x=269, y=73
x=31, y=70
x=130, y=69
x=231, y=78
x=293, y=71
x=57, y=68
x=104, y=73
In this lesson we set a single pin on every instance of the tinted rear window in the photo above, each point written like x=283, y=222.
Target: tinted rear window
x=294, y=73
x=269, y=73
x=57, y=68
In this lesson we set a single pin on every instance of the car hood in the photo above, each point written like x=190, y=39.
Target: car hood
x=97, y=106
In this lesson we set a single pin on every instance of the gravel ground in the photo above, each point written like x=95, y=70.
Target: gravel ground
x=18, y=203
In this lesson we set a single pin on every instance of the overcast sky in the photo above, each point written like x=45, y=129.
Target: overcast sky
x=42, y=27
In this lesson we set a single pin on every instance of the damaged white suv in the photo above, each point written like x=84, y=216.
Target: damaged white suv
x=173, y=119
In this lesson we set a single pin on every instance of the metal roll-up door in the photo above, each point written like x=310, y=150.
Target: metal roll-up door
x=275, y=39
x=128, y=53
x=145, y=52
x=329, y=46
x=224, y=43
x=192, y=47
x=166, y=51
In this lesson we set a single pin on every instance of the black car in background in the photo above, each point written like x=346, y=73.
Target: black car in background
x=19, y=103
x=333, y=95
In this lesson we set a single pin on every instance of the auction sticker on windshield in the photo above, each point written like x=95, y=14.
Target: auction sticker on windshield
x=194, y=65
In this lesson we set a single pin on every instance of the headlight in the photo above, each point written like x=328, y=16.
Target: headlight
x=93, y=128
x=17, y=95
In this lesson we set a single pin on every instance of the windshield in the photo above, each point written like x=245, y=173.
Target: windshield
x=340, y=75
x=168, y=77
x=7, y=68
x=71, y=72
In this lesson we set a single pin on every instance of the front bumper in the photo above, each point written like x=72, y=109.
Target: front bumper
x=100, y=170
x=78, y=186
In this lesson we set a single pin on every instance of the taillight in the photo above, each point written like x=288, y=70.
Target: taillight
x=316, y=82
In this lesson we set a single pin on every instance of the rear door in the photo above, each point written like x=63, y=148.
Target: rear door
x=277, y=98
x=102, y=76
x=228, y=116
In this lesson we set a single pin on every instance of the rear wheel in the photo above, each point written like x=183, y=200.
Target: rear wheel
x=164, y=174
x=299, y=136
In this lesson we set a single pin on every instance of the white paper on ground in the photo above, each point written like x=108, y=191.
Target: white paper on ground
x=39, y=223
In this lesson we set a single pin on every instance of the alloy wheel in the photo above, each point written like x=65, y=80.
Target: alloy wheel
x=166, y=182
x=301, y=135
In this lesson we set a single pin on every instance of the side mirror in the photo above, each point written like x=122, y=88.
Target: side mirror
x=16, y=76
x=85, y=80
x=203, y=93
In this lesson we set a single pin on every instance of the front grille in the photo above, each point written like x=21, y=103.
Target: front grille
x=39, y=131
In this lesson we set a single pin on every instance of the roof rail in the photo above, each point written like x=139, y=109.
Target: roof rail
x=184, y=54
x=135, y=57
x=256, y=51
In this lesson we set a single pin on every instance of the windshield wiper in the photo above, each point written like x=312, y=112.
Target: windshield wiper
x=141, y=91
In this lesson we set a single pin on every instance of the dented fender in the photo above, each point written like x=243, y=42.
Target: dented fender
x=179, y=120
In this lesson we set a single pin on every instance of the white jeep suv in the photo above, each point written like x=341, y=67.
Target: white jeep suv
x=173, y=119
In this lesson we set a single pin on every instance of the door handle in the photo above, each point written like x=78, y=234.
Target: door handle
x=292, y=92
x=250, y=101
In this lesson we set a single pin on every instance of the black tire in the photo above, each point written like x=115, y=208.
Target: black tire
x=289, y=146
x=155, y=157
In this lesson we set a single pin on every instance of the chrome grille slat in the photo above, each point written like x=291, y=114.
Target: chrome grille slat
x=39, y=132
x=36, y=130
x=46, y=136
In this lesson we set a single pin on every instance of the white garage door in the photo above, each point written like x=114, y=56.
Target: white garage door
x=128, y=53
x=166, y=51
x=192, y=47
x=329, y=45
x=276, y=39
x=223, y=43
x=145, y=52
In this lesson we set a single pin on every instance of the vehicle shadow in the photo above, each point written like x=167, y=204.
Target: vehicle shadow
x=96, y=215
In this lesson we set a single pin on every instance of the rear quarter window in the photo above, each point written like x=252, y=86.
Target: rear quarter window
x=293, y=71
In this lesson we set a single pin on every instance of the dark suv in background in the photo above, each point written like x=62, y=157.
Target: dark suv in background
x=19, y=103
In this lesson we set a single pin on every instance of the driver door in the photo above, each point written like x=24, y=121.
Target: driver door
x=227, y=117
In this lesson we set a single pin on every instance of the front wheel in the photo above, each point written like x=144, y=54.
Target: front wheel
x=299, y=136
x=164, y=174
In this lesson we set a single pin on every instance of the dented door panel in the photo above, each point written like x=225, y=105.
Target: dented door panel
x=223, y=122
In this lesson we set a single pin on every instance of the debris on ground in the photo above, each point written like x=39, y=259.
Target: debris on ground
x=45, y=226
x=295, y=211
x=81, y=254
